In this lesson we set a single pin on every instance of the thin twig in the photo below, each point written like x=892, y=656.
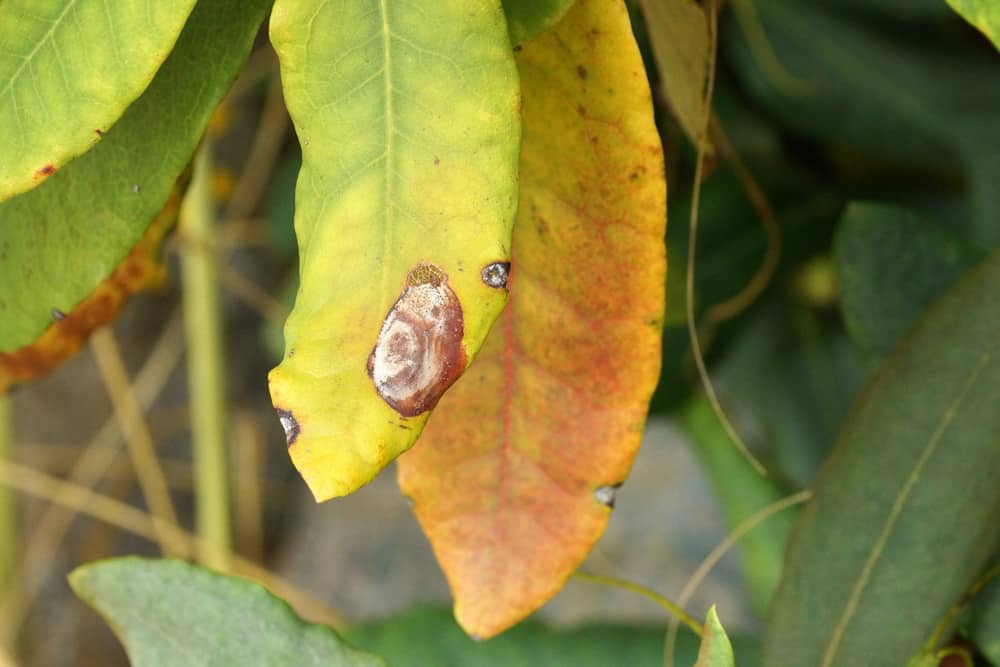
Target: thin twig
x=706, y=381
x=138, y=439
x=203, y=328
x=9, y=534
x=133, y=520
x=677, y=611
x=247, y=477
x=716, y=555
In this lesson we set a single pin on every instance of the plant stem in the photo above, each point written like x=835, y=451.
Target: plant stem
x=8, y=526
x=671, y=607
x=206, y=372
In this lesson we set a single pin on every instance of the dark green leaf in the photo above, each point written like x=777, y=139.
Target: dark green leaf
x=170, y=613
x=892, y=265
x=985, y=628
x=904, y=516
x=426, y=638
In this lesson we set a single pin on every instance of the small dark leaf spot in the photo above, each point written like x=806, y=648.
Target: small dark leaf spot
x=58, y=315
x=136, y=188
x=495, y=274
x=99, y=132
x=517, y=49
x=45, y=171
x=581, y=71
x=437, y=162
x=290, y=424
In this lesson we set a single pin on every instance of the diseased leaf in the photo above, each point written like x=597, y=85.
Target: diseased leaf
x=68, y=69
x=169, y=613
x=526, y=19
x=715, y=651
x=678, y=32
x=904, y=513
x=891, y=265
x=983, y=14
x=514, y=478
x=429, y=637
x=407, y=113
x=74, y=247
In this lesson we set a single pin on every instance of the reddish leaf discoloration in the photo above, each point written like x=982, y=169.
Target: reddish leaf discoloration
x=419, y=352
x=45, y=172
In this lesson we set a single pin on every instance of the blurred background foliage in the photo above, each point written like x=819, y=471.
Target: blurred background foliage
x=828, y=103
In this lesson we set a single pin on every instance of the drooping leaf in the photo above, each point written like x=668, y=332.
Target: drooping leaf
x=985, y=626
x=515, y=475
x=715, y=651
x=408, y=118
x=74, y=247
x=679, y=33
x=891, y=265
x=426, y=637
x=741, y=492
x=170, y=613
x=526, y=19
x=68, y=69
x=984, y=14
x=904, y=513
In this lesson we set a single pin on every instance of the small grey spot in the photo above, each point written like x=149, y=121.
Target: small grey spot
x=290, y=424
x=606, y=494
x=495, y=274
x=476, y=638
x=136, y=188
x=58, y=315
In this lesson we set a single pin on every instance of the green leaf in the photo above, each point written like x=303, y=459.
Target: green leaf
x=408, y=116
x=68, y=69
x=984, y=14
x=62, y=240
x=889, y=98
x=892, y=265
x=421, y=638
x=715, y=651
x=526, y=19
x=170, y=613
x=904, y=513
x=741, y=492
x=985, y=627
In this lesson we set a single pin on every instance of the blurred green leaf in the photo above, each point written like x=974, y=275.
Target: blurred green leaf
x=741, y=492
x=68, y=69
x=715, y=650
x=430, y=637
x=984, y=14
x=891, y=266
x=527, y=19
x=895, y=102
x=170, y=613
x=985, y=626
x=904, y=513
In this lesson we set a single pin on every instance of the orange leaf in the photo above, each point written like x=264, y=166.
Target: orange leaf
x=514, y=476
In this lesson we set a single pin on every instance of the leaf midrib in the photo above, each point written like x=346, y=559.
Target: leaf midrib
x=389, y=153
x=861, y=583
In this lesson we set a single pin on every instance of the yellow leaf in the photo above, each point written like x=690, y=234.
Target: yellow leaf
x=515, y=475
x=407, y=113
